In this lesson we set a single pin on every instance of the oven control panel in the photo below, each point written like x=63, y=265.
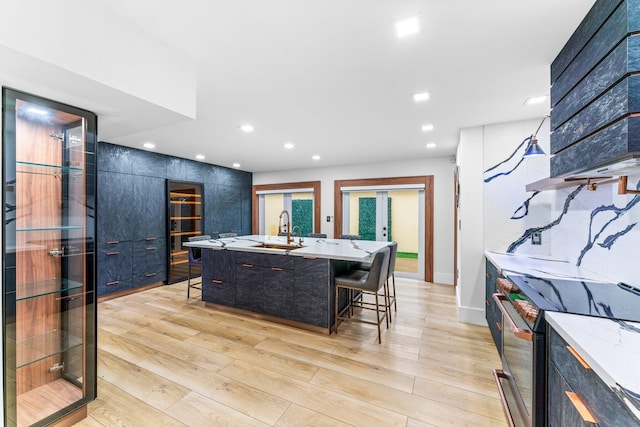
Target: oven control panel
x=527, y=310
x=507, y=286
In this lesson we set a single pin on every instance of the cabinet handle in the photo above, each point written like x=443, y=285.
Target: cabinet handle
x=488, y=303
x=150, y=274
x=309, y=257
x=583, y=362
x=580, y=407
x=151, y=248
x=248, y=265
x=217, y=282
x=499, y=326
x=523, y=334
x=150, y=238
x=277, y=269
x=113, y=242
x=113, y=253
x=488, y=275
x=115, y=282
x=497, y=374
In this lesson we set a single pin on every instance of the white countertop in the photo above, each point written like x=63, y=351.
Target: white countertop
x=611, y=347
x=340, y=249
x=542, y=266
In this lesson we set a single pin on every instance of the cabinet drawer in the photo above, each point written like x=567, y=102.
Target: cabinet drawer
x=115, y=245
x=150, y=244
x=561, y=412
x=219, y=292
x=112, y=286
x=114, y=263
x=265, y=260
x=218, y=265
x=600, y=400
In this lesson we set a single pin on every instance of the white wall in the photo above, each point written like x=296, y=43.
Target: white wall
x=441, y=168
x=470, y=290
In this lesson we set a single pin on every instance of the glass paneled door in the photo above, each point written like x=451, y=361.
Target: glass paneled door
x=389, y=215
x=48, y=259
x=185, y=220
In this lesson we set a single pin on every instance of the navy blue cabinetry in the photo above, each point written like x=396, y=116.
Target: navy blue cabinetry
x=313, y=292
x=115, y=267
x=115, y=202
x=595, y=91
x=218, y=277
x=149, y=208
x=568, y=372
x=132, y=209
x=492, y=313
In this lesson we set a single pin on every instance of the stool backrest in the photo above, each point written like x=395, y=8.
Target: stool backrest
x=350, y=236
x=393, y=252
x=317, y=235
x=195, y=254
x=378, y=271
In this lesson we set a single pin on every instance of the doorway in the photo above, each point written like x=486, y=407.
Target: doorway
x=391, y=209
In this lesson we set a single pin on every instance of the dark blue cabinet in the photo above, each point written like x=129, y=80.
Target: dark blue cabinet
x=313, y=292
x=115, y=267
x=115, y=205
x=492, y=312
x=218, y=277
x=132, y=207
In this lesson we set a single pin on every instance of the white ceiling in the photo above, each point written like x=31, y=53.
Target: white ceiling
x=331, y=77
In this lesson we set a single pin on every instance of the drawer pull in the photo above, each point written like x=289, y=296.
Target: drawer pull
x=499, y=326
x=499, y=374
x=583, y=362
x=115, y=282
x=309, y=257
x=113, y=242
x=248, y=265
x=580, y=407
x=523, y=334
x=150, y=238
x=217, y=282
x=151, y=248
x=113, y=253
x=488, y=303
x=150, y=274
x=277, y=269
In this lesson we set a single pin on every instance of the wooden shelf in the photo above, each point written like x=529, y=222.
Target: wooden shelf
x=174, y=194
x=180, y=202
x=186, y=233
x=180, y=218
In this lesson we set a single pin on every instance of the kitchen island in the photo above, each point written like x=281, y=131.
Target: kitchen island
x=286, y=282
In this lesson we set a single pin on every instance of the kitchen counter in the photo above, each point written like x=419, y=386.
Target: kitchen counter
x=338, y=249
x=541, y=266
x=265, y=277
x=610, y=347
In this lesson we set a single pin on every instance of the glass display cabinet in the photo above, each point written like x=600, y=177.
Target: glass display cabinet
x=48, y=311
x=185, y=220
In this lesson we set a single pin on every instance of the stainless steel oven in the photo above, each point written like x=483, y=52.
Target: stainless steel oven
x=521, y=381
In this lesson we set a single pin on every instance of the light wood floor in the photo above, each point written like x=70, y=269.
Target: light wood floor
x=164, y=360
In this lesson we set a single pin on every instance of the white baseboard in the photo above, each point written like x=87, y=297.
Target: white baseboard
x=472, y=315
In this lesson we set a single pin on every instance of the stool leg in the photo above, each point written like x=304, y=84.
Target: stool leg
x=189, y=282
x=378, y=319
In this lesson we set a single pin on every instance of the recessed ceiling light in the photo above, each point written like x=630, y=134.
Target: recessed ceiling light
x=427, y=128
x=289, y=146
x=236, y=165
x=535, y=100
x=407, y=26
x=431, y=145
x=39, y=111
x=247, y=128
x=420, y=97
x=316, y=157
x=149, y=145
x=200, y=156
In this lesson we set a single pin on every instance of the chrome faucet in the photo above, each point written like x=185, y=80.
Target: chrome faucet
x=299, y=234
x=289, y=239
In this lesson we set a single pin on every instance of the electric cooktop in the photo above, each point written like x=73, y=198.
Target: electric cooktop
x=615, y=301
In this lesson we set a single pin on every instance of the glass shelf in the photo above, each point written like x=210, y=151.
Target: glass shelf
x=45, y=345
x=59, y=228
x=45, y=287
x=44, y=165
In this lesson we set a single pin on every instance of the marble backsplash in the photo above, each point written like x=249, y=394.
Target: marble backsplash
x=597, y=230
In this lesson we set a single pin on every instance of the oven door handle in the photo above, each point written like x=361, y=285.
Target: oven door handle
x=524, y=334
x=497, y=375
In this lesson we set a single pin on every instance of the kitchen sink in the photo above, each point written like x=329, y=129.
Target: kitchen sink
x=289, y=247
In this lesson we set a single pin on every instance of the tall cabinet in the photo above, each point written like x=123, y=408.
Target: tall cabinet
x=48, y=307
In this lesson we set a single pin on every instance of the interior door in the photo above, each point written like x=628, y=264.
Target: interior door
x=389, y=215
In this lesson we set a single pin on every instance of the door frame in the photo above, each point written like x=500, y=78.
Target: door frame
x=315, y=185
x=426, y=180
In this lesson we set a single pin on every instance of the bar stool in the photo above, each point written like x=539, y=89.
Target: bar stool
x=195, y=259
x=391, y=276
x=317, y=235
x=350, y=236
x=365, y=282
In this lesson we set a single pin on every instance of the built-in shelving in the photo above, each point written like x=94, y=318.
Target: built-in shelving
x=185, y=221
